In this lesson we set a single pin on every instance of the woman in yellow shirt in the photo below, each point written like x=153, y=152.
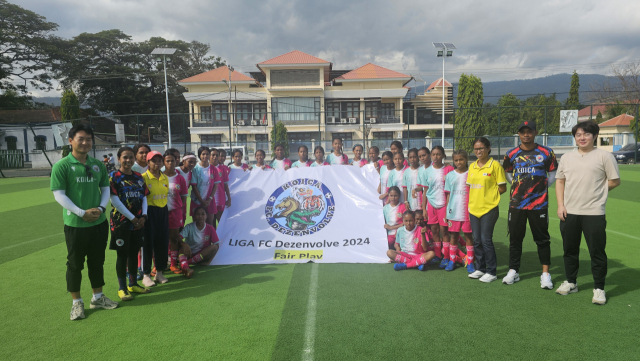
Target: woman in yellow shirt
x=486, y=182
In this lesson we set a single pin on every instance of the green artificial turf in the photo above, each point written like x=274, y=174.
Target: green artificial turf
x=363, y=312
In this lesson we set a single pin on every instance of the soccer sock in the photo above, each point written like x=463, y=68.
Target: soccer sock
x=123, y=283
x=139, y=260
x=445, y=250
x=453, y=253
x=461, y=241
x=184, y=263
x=415, y=262
x=438, y=249
x=195, y=259
x=174, y=258
x=400, y=259
x=76, y=301
x=133, y=279
x=96, y=296
x=470, y=254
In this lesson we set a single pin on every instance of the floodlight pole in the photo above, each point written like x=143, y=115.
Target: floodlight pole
x=166, y=90
x=444, y=55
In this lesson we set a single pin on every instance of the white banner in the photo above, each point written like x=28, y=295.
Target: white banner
x=324, y=214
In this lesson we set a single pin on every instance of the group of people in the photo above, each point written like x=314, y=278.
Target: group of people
x=429, y=203
x=435, y=212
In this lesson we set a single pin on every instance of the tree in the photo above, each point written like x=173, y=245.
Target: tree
x=69, y=106
x=468, y=123
x=10, y=99
x=616, y=108
x=599, y=117
x=503, y=119
x=27, y=49
x=573, y=101
x=279, y=136
x=113, y=74
x=623, y=85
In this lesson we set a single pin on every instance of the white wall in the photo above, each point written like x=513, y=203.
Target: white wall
x=38, y=159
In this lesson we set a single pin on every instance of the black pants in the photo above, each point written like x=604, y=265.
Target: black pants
x=155, y=243
x=89, y=242
x=539, y=224
x=482, y=228
x=594, y=230
x=126, y=243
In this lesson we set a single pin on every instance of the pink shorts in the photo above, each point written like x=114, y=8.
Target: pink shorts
x=391, y=239
x=456, y=226
x=220, y=209
x=175, y=219
x=211, y=209
x=436, y=215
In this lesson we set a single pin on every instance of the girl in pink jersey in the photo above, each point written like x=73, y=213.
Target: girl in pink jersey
x=260, y=156
x=222, y=196
x=319, y=154
x=199, y=242
x=303, y=161
x=457, y=206
x=413, y=200
x=434, y=201
x=383, y=188
x=185, y=170
x=205, y=183
x=337, y=157
x=280, y=162
x=411, y=247
x=357, y=160
x=393, y=215
x=397, y=147
x=177, y=196
x=237, y=161
x=396, y=175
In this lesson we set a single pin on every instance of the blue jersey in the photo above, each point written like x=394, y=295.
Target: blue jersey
x=131, y=189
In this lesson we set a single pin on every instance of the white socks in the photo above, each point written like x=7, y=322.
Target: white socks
x=96, y=296
x=76, y=301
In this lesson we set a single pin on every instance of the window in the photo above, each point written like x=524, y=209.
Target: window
x=353, y=109
x=242, y=138
x=300, y=137
x=343, y=136
x=333, y=109
x=296, y=109
x=262, y=137
x=41, y=142
x=12, y=142
x=382, y=135
x=388, y=109
x=295, y=77
x=205, y=114
x=371, y=109
x=260, y=111
x=243, y=111
x=220, y=112
x=211, y=139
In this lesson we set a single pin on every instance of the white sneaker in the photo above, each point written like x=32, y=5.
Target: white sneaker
x=599, y=297
x=545, y=281
x=147, y=281
x=160, y=278
x=77, y=311
x=566, y=288
x=511, y=277
x=487, y=278
x=476, y=274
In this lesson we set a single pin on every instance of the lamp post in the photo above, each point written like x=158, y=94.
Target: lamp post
x=164, y=52
x=444, y=50
x=231, y=112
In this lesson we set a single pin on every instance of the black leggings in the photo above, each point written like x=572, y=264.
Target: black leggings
x=126, y=243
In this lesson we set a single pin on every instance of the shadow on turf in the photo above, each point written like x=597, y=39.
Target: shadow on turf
x=620, y=278
x=206, y=280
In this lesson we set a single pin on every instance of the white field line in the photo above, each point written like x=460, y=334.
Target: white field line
x=33, y=240
x=310, y=328
x=608, y=230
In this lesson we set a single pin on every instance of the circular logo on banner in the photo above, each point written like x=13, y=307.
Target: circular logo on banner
x=300, y=207
x=120, y=242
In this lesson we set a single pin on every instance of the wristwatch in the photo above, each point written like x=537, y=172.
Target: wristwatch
x=102, y=208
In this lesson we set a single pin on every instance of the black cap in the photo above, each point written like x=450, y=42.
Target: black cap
x=527, y=124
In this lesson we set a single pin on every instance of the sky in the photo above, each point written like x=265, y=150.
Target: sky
x=496, y=39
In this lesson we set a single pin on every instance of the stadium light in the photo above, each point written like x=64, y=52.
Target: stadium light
x=442, y=49
x=161, y=56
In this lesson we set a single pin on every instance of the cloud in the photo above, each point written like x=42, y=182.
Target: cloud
x=497, y=40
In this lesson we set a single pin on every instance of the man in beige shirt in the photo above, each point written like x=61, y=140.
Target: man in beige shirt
x=583, y=181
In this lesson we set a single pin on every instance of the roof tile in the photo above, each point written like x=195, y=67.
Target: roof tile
x=438, y=83
x=371, y=71
x=619, y=121
x=218, y=74
x=294, y=57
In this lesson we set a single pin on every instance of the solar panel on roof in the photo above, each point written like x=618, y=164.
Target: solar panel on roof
x=163, y=51
x=450, y=46
x=438, y=45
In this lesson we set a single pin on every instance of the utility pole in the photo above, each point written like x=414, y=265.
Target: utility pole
x=230, y=107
